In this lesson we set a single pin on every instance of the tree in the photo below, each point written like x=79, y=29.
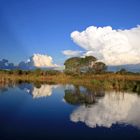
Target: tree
x=100, y=67
x=84, y=65
x=122, y=71
x=72, y=65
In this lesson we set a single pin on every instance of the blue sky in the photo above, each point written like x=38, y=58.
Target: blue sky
x=44, y=26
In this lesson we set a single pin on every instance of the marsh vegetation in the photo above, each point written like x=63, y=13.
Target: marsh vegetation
x=87, y=71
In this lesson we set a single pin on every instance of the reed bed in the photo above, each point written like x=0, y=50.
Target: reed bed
x=106, y=81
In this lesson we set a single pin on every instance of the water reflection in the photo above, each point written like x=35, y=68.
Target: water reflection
x=113, y=108
x=39, y=90
x=80, y=95
x=4, y=87
x=95, y=107
x=35, y=90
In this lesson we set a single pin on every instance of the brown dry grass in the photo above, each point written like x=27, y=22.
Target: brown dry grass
x=88, y=80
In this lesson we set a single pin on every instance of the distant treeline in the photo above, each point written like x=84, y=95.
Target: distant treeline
x=73, y=66
x=40, y=72
x=37, y=72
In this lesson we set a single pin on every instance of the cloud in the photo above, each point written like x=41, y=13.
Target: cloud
x=111, y=109
x=71, y=53
x=4, y=64
x=39, y=60
x=114, y=47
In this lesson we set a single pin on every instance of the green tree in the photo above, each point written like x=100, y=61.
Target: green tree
x=77, y=65
x=100, y=67
x=72, y=65
x=122, y=71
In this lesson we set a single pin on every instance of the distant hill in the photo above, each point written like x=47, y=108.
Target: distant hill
x=129, y=67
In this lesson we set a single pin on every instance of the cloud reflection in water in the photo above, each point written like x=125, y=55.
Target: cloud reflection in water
x=111, y=109
x=43, y=91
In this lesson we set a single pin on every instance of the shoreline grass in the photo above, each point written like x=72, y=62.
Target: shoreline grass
x=106, y=81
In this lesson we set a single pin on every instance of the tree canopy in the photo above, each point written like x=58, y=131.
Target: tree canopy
x=86, y=64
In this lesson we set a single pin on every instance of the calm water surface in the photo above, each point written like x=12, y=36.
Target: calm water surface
x=67, y=112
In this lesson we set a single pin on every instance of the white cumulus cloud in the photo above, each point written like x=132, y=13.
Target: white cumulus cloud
x=114, y=47
x=71, y=53
x=39, y=60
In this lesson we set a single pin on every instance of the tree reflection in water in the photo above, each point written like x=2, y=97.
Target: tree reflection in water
x=81, y=95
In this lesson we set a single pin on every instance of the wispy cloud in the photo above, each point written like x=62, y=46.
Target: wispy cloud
x=71, y=53
x=114, y=47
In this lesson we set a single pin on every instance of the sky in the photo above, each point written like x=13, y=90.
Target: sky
x=54, y=30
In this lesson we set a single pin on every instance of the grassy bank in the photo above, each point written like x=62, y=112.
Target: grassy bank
x=63, y=78
x=106, y=81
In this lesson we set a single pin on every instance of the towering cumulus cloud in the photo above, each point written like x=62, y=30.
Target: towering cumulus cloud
x=39, y=60
x=114, y=47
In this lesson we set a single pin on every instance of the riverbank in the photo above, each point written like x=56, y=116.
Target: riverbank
x=106, y=81
x=69, y=78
